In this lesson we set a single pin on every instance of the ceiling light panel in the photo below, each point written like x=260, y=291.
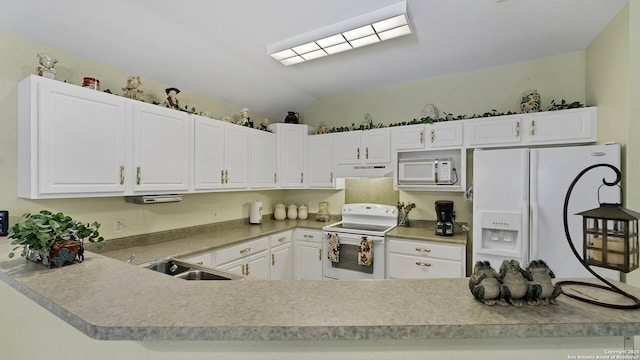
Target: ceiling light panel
x=306, y=48
x=331, y=41
x=394, y=33
x=383, y=24
x=359, y=32
x=365, y=41
x=391, y=23
x=338, y=48
x=314, y=54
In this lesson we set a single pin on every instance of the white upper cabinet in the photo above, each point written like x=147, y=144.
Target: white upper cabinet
x=566, y=126
x=497, y=131
x=320, y=161
x=220, y=155
x=263, y=159
x=291, y=140
x=162, y=149
x=71, y=141
x=363, y=147
x=561, y=127
x=408, y=137
x=444, y=135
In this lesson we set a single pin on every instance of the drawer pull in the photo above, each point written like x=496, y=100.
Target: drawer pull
x=307, y=236
x=245, y=250
x=419, y=263
x=427, y=250
x=282, y=239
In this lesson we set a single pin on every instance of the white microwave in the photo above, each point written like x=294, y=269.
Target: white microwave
x=424, y=171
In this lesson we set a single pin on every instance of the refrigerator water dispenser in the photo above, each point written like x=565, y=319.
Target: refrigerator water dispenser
x=501, y=234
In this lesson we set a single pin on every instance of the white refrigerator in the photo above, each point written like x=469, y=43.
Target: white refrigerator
x=518, y=199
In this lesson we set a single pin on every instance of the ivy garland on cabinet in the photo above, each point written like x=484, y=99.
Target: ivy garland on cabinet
x=563, y=105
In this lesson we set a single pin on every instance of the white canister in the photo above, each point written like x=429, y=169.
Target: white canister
x=292, y=214
x=303, y=214
x=280, y=212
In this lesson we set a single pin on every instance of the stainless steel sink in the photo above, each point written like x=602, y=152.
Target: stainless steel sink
x=188, y=271
x=202, y=275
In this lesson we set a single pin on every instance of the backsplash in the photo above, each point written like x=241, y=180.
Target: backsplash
x=370, y=190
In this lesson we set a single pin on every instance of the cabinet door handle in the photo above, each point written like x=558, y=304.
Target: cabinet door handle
x=419, y=263
x=367, y=153
x=275, y=178
x=532, y=128
x=358, y=154
x=517, y=128
x=138, y=178
x=301, y=178
x=221, y=176
x=427, y=250
x=121, y=174
x=433, y=135
x=247, y=267
x=226, y=176
x=273, y=259
x=421, y=136
x=245, y=250
x=244, y=269
x=320, y=254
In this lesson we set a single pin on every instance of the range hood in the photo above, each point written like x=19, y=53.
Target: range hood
x=153, y=199
x=364, y=170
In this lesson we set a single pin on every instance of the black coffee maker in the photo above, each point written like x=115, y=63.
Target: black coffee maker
x=445, y=215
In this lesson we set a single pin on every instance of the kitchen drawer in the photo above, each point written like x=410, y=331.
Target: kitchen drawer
x=429, y=250
x=281, y=238
x=243, y=249
x=309, y=235
x=417, y=267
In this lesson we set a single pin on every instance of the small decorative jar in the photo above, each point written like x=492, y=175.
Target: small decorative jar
x=303, y=213
x=531, y=101
x=280, y=213
x=292, y=213
x=91, y=83
x=323, y=212
x=291, y=118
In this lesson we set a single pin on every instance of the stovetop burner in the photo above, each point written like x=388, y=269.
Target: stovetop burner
x=366, y=219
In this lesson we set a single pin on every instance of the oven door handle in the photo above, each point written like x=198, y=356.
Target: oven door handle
x=355, y=239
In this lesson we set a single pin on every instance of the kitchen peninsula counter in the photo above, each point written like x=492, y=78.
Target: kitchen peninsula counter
x=108, y=299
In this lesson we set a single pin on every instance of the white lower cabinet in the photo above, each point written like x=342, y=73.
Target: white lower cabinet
x=246, y=258
x=412, y=259
x=308, y=254
x=281, y=256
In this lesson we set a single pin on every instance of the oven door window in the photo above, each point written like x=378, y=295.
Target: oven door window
x=349, y=260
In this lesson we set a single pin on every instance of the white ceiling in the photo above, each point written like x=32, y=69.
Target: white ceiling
x=218, y=48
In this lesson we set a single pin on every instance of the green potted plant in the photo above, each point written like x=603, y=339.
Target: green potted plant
x=53, y=239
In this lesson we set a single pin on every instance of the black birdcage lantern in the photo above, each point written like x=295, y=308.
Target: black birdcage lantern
x=610, y=240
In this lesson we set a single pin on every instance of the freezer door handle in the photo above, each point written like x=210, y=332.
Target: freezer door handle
x=534, y=230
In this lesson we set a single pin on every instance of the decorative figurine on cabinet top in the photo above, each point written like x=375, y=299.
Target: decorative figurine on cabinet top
x=172, y=98
x=245, y=120
x=45, y=69
x=132, y=90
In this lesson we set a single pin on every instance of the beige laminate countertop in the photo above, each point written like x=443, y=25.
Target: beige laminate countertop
x=118, y=301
